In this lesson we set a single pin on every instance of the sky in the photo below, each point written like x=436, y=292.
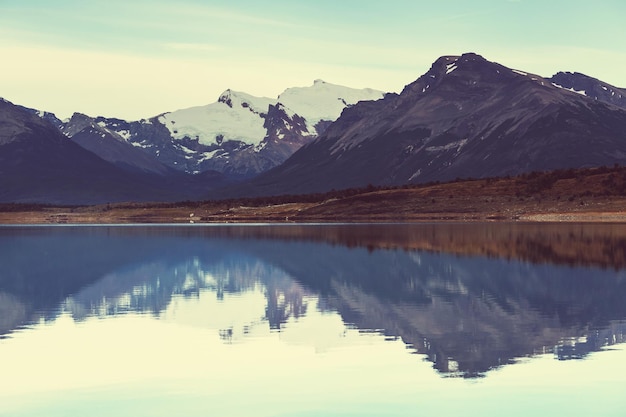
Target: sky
x=136, y=59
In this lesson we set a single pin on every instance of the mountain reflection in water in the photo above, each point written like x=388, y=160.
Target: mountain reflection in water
x=471, y=297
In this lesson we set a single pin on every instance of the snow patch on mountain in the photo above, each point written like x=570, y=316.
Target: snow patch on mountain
x=458, y=145
x=581, y=92
x=125, y=134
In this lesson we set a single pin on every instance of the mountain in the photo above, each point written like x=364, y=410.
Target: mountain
x=111, y=160
x=39, y=164
x=239, y=135
x=466, y=117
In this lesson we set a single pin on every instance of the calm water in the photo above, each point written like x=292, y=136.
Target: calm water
x=319, y=320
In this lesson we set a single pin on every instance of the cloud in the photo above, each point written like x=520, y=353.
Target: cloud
x=193, y=47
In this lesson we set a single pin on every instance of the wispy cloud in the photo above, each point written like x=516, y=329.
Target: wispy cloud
x=192, y=47
x=185, y=12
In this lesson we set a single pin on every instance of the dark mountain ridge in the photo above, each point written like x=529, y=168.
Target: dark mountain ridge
x=466, y=117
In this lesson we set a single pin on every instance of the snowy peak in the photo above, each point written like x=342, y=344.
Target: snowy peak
x=244, y=134
x=236, y=99
x=324, y=101
x=235, y=116
x=238, y=116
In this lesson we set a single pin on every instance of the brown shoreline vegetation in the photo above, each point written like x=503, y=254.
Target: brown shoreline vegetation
x=585, y=195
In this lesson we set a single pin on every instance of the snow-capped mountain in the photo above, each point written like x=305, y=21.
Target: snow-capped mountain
x=235, y=116
x=238, y=116
x=466, y=117
x=239, y=135
x=323, y=102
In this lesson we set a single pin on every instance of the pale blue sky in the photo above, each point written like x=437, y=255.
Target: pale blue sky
x=135, y=59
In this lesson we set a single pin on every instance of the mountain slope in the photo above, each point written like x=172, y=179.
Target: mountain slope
x=466, y=117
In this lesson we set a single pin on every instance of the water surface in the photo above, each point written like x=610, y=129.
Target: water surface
x=440, y=319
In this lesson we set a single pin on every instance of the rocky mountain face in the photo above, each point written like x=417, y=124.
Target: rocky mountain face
x=239, y=135
x=466, y=117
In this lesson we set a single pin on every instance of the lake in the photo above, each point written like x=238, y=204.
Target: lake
x=445, y=319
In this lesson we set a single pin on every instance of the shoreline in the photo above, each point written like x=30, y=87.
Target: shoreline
x=181, y=216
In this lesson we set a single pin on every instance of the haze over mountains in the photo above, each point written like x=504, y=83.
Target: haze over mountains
x=466, y=117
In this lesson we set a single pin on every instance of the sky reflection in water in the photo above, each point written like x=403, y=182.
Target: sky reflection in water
x=312, y=320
